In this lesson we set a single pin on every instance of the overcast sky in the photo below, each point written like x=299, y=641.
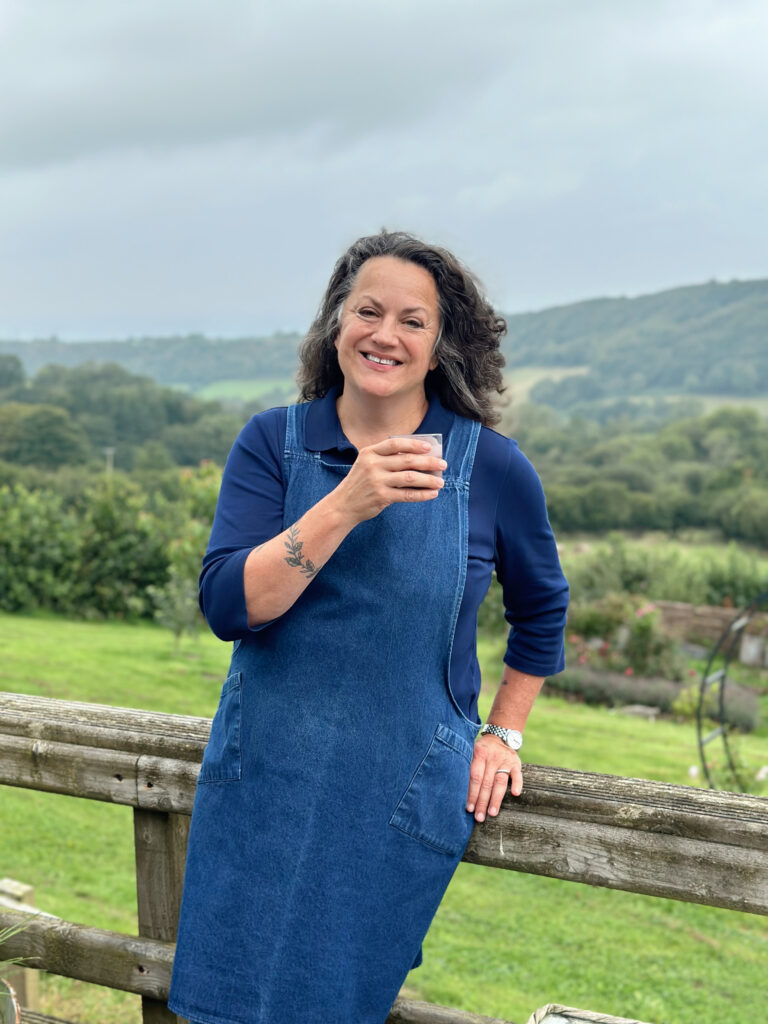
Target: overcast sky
x=180, y=165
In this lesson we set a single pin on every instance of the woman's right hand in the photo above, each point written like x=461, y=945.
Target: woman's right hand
x=397, y=469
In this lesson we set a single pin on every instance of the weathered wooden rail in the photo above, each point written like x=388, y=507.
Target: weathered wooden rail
x=646, y=837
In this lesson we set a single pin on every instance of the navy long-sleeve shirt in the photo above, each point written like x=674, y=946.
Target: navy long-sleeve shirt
x=508, y=531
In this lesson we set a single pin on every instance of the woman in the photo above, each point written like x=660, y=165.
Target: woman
x=347, y=563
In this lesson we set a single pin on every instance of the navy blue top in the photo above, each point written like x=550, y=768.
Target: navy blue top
x=508, y=531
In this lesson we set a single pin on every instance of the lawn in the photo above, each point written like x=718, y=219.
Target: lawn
x=502, y=943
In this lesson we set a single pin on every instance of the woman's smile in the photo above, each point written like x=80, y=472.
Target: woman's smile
x=380, y=360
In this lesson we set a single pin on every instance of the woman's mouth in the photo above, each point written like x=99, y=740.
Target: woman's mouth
x=380, y=360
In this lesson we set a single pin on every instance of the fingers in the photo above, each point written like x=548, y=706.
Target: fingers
x=400, y=444
x=413, y=480
x=492, y=772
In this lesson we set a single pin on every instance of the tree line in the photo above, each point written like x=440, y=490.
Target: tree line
x=70, y=415
x=704, y=471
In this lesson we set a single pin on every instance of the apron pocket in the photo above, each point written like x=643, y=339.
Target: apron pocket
x=221, y=760
x=433, y=808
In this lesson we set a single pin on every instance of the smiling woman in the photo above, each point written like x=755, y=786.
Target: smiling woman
x=344, y=772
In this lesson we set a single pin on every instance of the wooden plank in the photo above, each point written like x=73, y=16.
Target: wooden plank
x=102, y=725
x=410, y=1011
x=115, y=776
x=142, y=966
x=652, y=863
x=160, y=841
x=63, y=768
x=737, y=819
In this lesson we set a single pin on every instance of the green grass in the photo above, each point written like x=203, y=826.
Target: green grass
x=249, y=389
x=520, y=380
x=502, y=943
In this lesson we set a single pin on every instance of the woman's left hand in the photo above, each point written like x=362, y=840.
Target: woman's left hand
x=494, y=768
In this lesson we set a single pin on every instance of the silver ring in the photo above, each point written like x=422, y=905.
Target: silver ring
x=503, y=771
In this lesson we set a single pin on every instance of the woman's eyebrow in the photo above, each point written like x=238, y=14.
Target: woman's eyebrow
x=409, y=309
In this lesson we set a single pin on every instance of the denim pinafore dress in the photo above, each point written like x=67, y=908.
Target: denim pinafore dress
x=330, y=811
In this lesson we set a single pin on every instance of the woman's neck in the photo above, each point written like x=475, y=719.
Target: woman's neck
x=368, y=423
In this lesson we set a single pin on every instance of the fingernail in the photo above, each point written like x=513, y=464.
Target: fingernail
x=480, y=817
x=444, y=464
x=426, y=446
x=493, y=810
x=470, y=807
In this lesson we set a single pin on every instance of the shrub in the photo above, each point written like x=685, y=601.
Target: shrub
x=613, y=689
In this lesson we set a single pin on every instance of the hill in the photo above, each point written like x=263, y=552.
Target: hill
x=192, y=360
x=701, y=339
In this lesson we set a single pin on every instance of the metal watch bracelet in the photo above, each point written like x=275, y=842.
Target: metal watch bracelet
x=510, y=737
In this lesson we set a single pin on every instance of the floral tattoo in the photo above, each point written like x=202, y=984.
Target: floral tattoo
x=296, y=557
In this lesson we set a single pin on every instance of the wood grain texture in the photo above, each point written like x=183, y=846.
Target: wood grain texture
x=98, y=773
x=651, y=863
x=160, y=843
x=102, y=725
x=142, y=966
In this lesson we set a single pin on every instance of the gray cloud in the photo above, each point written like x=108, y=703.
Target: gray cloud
x=86, y=78
x=183, y=166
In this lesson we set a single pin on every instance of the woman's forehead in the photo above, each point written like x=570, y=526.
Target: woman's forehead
x=400, y=281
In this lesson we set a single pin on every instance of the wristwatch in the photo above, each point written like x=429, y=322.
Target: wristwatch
x=512, y=738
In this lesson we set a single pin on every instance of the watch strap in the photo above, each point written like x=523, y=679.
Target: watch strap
x=511, y=737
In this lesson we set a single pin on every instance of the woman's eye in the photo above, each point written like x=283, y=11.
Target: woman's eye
x=365, y=312
x=415, y=323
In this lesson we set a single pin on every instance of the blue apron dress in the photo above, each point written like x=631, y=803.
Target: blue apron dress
x=330, y=812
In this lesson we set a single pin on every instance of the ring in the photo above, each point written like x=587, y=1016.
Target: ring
x=503, y=771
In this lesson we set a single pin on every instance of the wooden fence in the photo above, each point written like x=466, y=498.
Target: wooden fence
x=645, y=837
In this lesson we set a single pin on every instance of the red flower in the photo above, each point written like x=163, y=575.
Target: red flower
x=629, y=671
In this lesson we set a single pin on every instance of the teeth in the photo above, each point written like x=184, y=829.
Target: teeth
x=384, y=362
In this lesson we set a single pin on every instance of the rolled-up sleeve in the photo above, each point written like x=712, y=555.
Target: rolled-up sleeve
x=534, y=588
x=249, y=512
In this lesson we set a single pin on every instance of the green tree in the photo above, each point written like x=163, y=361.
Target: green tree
x=11, y=372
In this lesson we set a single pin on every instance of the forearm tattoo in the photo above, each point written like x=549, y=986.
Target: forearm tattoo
x=296, y=557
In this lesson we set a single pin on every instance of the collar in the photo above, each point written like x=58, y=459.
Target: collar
x=322, y=430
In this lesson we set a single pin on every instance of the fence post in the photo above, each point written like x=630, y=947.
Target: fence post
x=160, y=841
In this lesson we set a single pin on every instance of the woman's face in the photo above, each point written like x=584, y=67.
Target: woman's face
x=389, y=325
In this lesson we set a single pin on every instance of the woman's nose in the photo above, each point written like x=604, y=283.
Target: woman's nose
x=386, y=331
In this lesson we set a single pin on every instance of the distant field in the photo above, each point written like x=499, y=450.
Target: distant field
x=522, y=379
x=519, y=383
x=249, y=389
x=502, y=943
x=712, y=402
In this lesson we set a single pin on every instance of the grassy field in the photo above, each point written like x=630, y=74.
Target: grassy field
x=502, y=943
x=249, y=389
x=521, y=380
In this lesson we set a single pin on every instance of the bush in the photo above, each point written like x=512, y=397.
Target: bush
x=714, y=575
x=613, y=689
x=620, y=632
